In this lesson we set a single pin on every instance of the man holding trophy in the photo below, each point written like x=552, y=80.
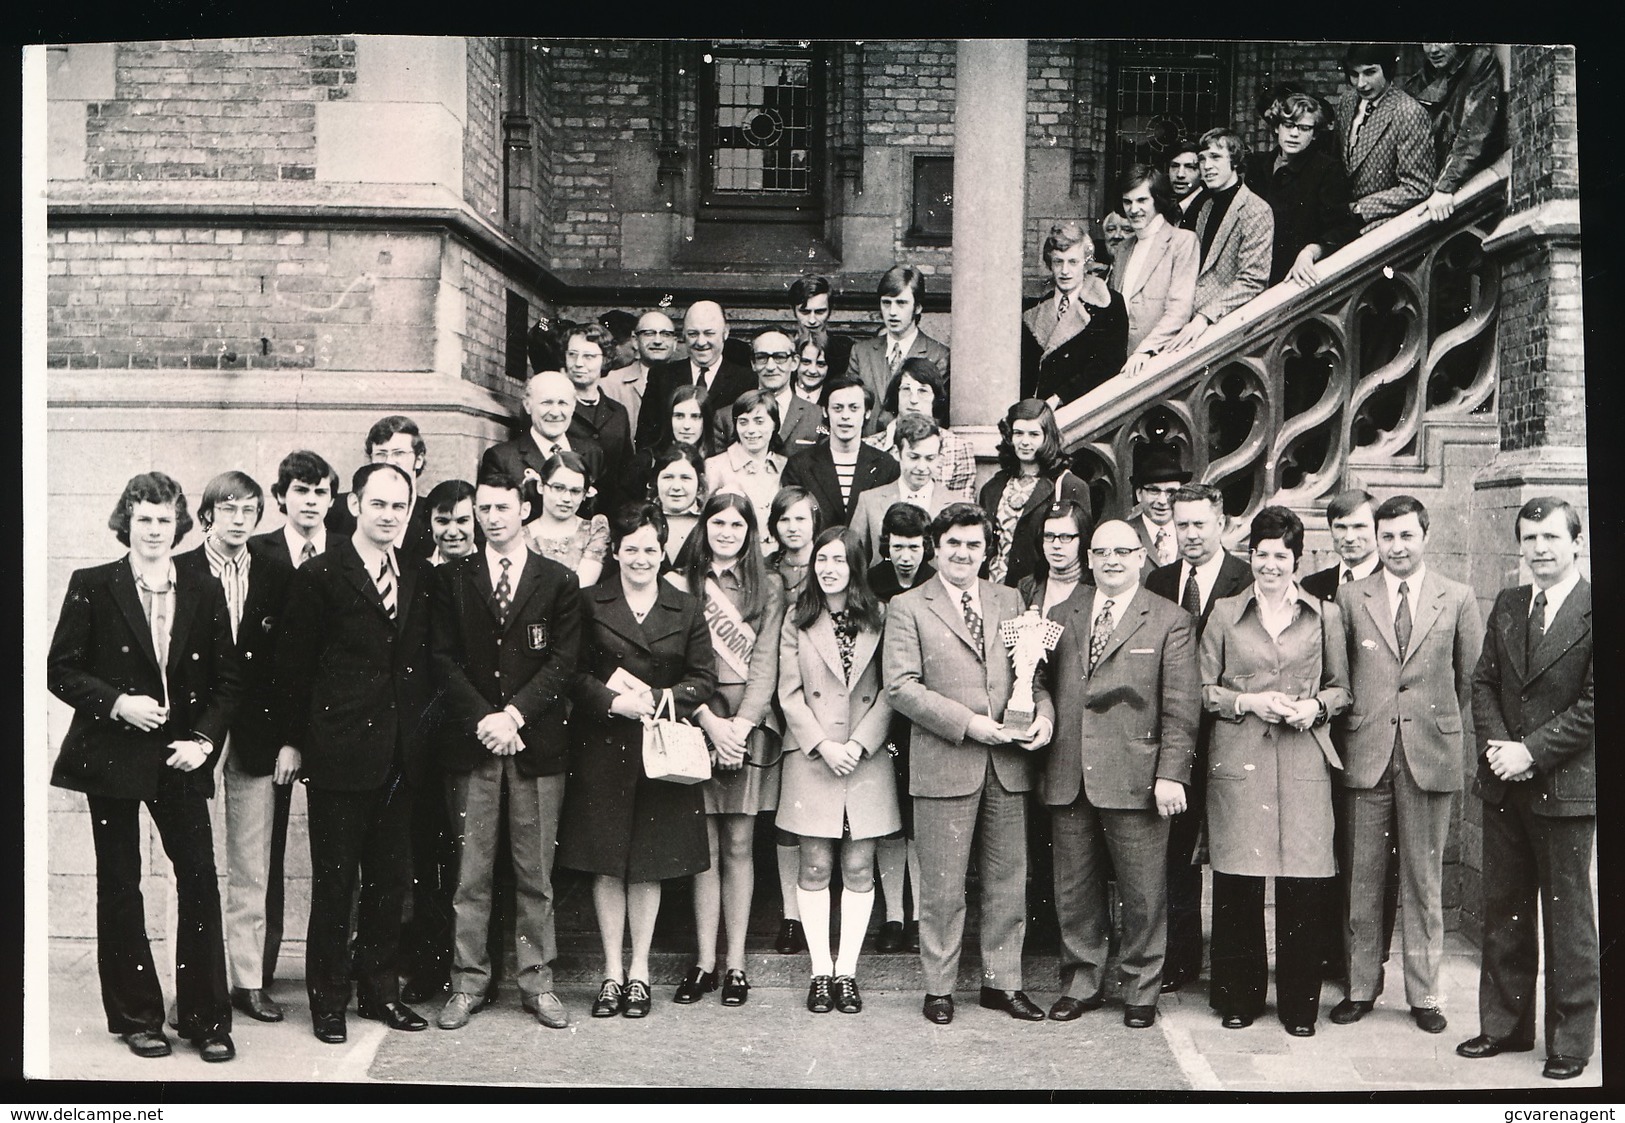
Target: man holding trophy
x=948, y=671
x=1127, y=695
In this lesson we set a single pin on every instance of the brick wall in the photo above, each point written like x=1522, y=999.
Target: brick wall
x=1316, y=67
x=482, y=131
x=1545, y=145
x=234, y=109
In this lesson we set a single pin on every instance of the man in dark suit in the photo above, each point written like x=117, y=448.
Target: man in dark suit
x=143, y=654
x=1205, y=573
x=948, y=672
x=843, y=467
x=1156, y=477
x=1387, y=137
x=809, y=303
x=257, y=799
x=705, y=330
x=506, y=634
x=1533, y=704
x=598, y=417
x=354, y=682
x=773, y=358
x=876, y=360
x=1127, y=693
x=1414, y=637
x=550, y=400
x=304, y=490
x=393, y=440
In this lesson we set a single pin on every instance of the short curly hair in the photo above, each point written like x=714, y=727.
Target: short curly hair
x=150, y=487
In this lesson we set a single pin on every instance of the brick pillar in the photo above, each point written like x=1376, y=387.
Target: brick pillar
x=990, y=153
x=1539, y=342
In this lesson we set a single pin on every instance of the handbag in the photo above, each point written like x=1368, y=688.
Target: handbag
x=673, y=750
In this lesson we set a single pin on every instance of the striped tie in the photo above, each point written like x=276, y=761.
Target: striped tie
x=386, y=586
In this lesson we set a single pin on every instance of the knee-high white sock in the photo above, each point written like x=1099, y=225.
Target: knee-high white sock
x=789, y=871
x=815, y=922
x=855, y=909
x=890, y=859
x=914, y=876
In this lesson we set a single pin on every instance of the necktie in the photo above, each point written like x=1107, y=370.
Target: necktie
x=1163, y=546
x=386, y=586
x=1101, y=632
x=1359, y=119
x=1191, y=599
x=1061, y=307
x=973, y=621
x=703, y=379
x=504, y=594
x=894, y=355
x=1402, y=620
x=1348, y=575
x=307, y=553
x=1537, y=626
x=552, y=450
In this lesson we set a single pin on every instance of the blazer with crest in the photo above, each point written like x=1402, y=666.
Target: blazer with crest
x=1547, y=703
x=353, y=685
x=103, y=648
x=483, y=666
x=1164, y=292
x=814, y=469
x=1079, y=354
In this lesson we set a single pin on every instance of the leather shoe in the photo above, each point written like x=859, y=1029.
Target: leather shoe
x=147, y=1043
x=395, y=1015
x=549, y=1011
x=1428, y=1019
x=328, y=1028
x=1172, y=983
x=611, y=997
x=215, y=1047
x=1477, y=1048
x=820, y=995
x=1559, y=1067
x=1012, y=1002
x=911, y=935
x=460, y=1007
x=1348, y=1011
x=635, y=1001
x=735, y=986
x=891, y=936
x=1068, y=1009
x=847, y=998
x=1139, y=1017
x=939, y=1008
x=791, y=938
x=1236, y=1021
x=424, y=988
x=256, y=1004
x=1304, y=1030
x=695, y=984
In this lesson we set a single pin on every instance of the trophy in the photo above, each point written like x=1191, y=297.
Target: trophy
x=1029, y=638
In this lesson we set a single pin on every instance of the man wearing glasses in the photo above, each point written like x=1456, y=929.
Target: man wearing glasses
x=550, y=400
x=1157, y=475
x=394, y=440
x=653, y=341
x=705, y=330
x=774, y=360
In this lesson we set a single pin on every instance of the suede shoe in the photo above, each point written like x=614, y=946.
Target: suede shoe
x=459, y=1008
x=549, y=1010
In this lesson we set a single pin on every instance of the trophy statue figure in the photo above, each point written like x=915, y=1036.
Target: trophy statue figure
x=1029, y=637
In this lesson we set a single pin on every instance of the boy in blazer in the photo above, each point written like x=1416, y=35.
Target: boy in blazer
x=1533, y=715
x=1387, y=138
x=1414, y=637
x=1126, y=706
x=948, y=672
x=143, y=654
x=353, y=677
x=1235, y=232
x=876, y=360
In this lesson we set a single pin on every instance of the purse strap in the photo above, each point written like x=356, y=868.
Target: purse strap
x=666, y=705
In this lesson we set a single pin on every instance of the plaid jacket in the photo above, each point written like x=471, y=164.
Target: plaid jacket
x=1238, y=264
x=1390, y=165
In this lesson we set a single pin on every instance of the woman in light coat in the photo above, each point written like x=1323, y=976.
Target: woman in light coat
x=838, y=782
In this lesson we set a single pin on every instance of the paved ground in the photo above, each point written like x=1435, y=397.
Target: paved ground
x=773, y=1042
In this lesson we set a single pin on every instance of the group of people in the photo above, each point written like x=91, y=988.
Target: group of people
x=795, y=558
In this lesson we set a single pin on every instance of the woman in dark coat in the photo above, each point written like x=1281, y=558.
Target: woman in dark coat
x=1032, y=477
x=630, y=831
x=1304, y=183
x=1076, y=337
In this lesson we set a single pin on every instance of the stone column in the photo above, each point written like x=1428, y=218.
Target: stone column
x=990, y=154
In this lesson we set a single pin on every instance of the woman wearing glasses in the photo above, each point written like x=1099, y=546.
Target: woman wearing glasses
x=559, y=532
x=919, y=388
x=1059, y=567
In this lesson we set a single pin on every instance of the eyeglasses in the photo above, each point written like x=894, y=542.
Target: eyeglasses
x=1104, y=552
x=560, y=489
x=655, y=333
x=1060, y=537
x=1298, y=126
x=776, y=356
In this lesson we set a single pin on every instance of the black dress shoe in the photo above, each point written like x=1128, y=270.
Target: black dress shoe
x=939, y=1008
x=791, y=938
x=1559, y=1067
x=1301, y=1030
x=1171, y=983
x=611, y=997
x=1139, y=1017
x=1068, y=1009
x=424, y=988
x=891, y=936
x=395, y=1015
x=256, y=1004
x=695, y=984
x=847, y=998
x=1477, y=1048
x=1348, y=1011
x=821, y=995
x=328, y=1028
x=635, y=1003
x=215, y=1047
x=1236, y=1021
x=1012, y=1002
x=911, y=935
x=147, y=1043
x=735, y=986
x=1428, y=1019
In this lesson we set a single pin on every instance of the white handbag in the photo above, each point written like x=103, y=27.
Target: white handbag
x=673, y=750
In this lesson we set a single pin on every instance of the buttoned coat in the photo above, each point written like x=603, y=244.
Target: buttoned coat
x=872, y=508
x=1549, y=703
x=814, y=470
x=1237, y=266
x=1163, y=296
x=1133, y=720
x=1391, y=163
x=1080, y=354
x=607, y=424
x=1424, y=695
x=821, y=705
x=353, y=685
x=483, y=665
x=1269, y=791
x=103, y=648
x=937, y=679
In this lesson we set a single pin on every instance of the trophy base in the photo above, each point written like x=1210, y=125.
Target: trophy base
x=1018, y=719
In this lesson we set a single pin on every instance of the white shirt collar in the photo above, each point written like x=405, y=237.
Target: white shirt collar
x=296, y=541
x=907, y=342
x=1207, y=575
x=1556, y=595
x=1413, y=585
x=958, y=595
x=372, y=557
x=516, y=559
x=921, y=498
x=1363, y=570
x=1120, y=603
x=545, y=443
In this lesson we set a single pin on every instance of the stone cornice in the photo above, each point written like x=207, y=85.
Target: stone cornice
x=1556, y=220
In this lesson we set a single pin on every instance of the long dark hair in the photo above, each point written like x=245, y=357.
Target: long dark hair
x=752, y=572
x=861, y=603
x=1050, y=460
x=710, y=442
x=1085, y=526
